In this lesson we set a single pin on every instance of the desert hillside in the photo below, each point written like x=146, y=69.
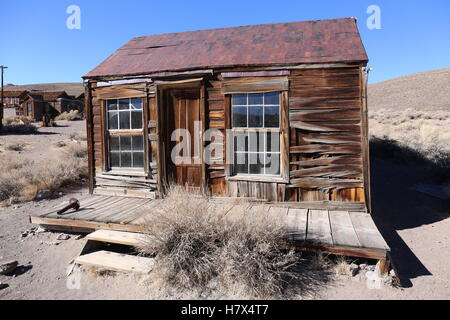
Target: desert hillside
x=428, y=90
x=72, y=88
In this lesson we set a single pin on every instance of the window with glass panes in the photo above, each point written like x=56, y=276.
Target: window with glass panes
x=256, y=133
x=125, y=127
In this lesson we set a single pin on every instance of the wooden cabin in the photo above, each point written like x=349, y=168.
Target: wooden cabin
x=13, y=98
x=37, y=103
x=300, y=86
x=276, y=113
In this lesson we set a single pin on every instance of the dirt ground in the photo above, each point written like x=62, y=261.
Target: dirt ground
x=415, y=226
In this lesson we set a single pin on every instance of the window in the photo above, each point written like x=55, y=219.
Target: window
x=125, y=128
x=256, y=133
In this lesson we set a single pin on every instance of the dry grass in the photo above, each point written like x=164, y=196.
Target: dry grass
x=21, y=179
x=71, y=115
x=21, y=125
x=196, y=247
x=420, y=134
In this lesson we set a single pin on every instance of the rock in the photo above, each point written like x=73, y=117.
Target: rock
x=80, y=236
x=43, y=194
x=24, y=234
x=3, y=286
x=8, y=267
x=363, y=266
x=353, y=269
x=40, y=230
x=392, y=273
x=63, y=236
x=373, y=280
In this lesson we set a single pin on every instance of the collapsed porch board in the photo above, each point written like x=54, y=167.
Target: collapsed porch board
x=341, y=232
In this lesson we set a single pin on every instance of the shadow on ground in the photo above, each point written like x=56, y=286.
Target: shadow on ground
x=394, y=170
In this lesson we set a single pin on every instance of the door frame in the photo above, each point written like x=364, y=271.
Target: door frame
x=161, y=88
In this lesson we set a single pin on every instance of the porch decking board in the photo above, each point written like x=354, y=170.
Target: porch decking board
x=334, y=231
x=342, y=229
x=110, y=215
x=297, y=222
x=319, y=230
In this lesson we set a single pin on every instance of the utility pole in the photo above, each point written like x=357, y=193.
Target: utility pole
x=1, y=101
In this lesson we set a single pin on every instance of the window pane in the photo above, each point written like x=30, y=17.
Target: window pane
x=125, y=159
x=124, y=120
x=273, y=142
x=114, y=159
x=272, y=163
x=239, y=117
x=111, y=105
x=136, y=103
x=255, y=117
x=138, y=143
x=255, y=98
x=114, y=143
x=125, y=143
x=138, y=159
x=240, y=141
x=256, y=163
x=272, y=117
x=272, y=98
x=256, y=141
x=136, y=120
x=113, y=120
x=239, y=99
x=240, y=163
x=124, y=104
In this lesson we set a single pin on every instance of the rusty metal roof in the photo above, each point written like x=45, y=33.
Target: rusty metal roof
x=321, y=41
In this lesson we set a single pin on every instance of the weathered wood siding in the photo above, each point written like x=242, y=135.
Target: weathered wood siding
x=326, y=138
x=325, y=149
x=122, y=184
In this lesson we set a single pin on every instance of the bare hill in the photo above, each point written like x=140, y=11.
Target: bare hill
x=72, y=88
x=428, y=90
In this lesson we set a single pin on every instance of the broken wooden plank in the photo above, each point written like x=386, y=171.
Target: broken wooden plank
x=116, y=262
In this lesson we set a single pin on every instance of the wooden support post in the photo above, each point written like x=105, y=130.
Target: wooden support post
x=382, y=267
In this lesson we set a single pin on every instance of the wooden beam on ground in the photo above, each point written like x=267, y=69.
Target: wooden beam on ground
x=116, y=262
x=119, y=237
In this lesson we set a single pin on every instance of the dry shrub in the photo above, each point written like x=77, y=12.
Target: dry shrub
x=71, y=115
x=21, y=179
x=341, y=266
x=196, y=246
x=15, y=146
x=77, y=151
x=423, y=135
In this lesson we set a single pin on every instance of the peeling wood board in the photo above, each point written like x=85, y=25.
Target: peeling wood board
x=119, y=237
x=116, y=262
x=367, y=231
x=319, y=230
x=342, y=229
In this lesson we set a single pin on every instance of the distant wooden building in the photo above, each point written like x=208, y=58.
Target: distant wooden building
x=13, y=98
x=37, y=103
x=288, y=99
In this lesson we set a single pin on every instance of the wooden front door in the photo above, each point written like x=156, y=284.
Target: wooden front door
x=183, y=112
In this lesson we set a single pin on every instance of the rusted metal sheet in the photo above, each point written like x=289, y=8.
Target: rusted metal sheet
x=321, y=41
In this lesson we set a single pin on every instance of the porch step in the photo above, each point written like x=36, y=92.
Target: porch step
x=117, y=237
x=116, y=262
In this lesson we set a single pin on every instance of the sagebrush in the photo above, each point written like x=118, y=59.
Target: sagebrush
x=195, y=245
x=21, y=178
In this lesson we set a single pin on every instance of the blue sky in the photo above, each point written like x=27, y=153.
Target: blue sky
x=38, y=47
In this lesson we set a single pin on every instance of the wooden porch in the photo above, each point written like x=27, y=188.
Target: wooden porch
x=335, y=231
